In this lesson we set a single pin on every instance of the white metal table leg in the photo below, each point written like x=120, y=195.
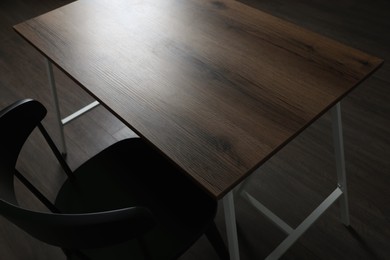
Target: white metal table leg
x=53, y=87
x=340, y=162
x=231, y=228
x=340, y=193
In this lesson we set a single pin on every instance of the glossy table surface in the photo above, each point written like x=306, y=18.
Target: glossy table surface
x=216, y=86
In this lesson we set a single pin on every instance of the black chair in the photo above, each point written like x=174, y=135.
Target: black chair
x=127, y=201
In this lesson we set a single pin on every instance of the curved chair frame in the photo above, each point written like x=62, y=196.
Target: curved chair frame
x=74, y=231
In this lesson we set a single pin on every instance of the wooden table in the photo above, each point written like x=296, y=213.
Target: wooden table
x=216, y=86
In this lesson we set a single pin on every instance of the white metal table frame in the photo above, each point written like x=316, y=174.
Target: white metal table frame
x=293, y=234
x=63, y=121
x=228, y=200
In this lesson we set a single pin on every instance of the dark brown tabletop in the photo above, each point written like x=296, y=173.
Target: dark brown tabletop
x=216, y=86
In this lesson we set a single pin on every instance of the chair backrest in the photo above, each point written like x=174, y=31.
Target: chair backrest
x=17, y=121
x=70, y=231
x=80, y=231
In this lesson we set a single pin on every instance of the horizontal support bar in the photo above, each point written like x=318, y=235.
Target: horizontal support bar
x=290, y=240
x=79, y=112
x=268, y=213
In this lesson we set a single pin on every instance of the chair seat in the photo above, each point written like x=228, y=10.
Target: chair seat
x=133, y=174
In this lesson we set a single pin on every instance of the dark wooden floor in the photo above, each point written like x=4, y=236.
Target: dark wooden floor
x=291, y=183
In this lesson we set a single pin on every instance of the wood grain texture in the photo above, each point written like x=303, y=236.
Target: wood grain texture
x=216, y=86
x=291, y=183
